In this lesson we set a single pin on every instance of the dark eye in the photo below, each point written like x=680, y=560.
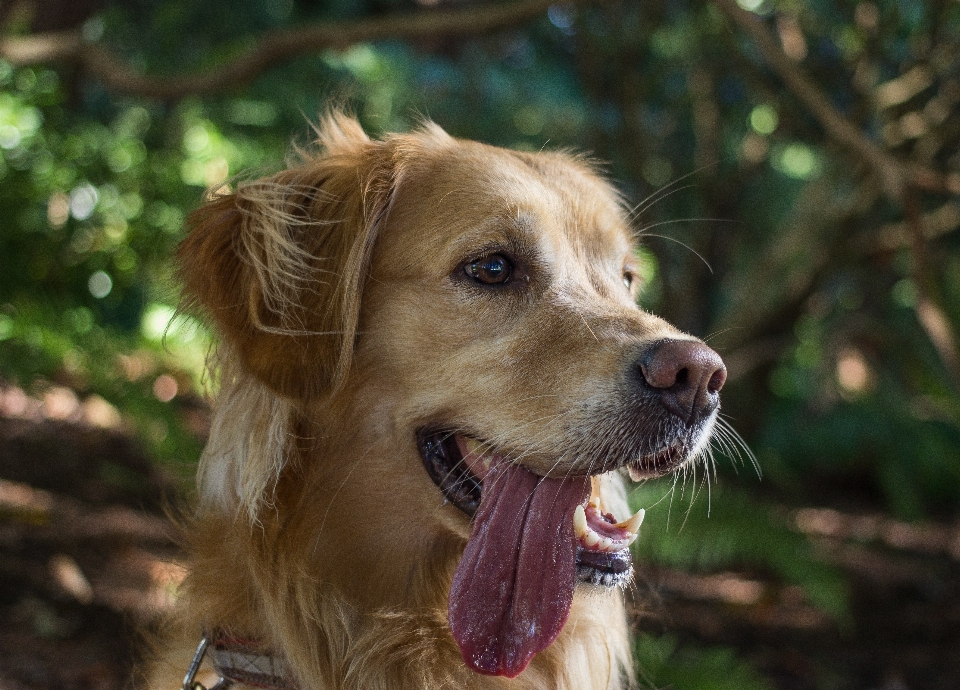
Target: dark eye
x=628, y=279
x=493, y=269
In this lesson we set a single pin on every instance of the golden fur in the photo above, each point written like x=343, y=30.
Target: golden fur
x=342, y=331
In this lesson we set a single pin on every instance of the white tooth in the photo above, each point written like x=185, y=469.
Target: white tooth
x=595, y=493
x=635, y=473
x=605, y=544
x=632, y=524
x=591, y=538
x=474, y=446
x=629, y=540
x=579, y=521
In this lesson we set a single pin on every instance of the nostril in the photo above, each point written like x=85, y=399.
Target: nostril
x=663, y=368
x=717, y=380
x=681, y=378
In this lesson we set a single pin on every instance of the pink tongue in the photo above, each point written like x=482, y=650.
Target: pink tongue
x=512, y=591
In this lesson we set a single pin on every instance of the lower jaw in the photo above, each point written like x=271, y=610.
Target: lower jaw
x=643, y=474
x=589, y=575
x=604, y=569
x=659, y=464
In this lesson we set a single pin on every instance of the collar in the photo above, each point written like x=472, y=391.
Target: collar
x=239, y=660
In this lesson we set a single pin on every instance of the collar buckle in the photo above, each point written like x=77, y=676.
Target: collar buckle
x=189, y=680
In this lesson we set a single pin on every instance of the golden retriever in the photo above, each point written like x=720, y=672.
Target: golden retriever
x=434, y=382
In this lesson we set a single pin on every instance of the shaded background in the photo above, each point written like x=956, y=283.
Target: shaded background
x=796, y=174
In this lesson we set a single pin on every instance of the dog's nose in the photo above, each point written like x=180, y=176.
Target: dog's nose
x=686, y=375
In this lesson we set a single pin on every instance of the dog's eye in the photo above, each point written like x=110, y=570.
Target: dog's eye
x=493, y=269
x=628, y=279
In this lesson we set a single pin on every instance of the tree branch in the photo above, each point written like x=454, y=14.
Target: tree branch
x=894, y=175
x=930, y=314
x=892, y=236
x=269, y=50
x=900, y=181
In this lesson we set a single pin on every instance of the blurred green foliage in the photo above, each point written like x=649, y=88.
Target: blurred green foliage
x=665, y=664
x=739, y=531
x=759, y=232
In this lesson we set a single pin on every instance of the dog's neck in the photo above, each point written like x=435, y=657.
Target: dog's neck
x=352, y=594
x=411, y=650
x=335, y=636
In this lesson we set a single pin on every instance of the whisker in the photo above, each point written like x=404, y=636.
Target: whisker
x=714, y=334
x=693, y=494
x=652, y=197
x=682, y=244
x=737, y=441
x=706, y=479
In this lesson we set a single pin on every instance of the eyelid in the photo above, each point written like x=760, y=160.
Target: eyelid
x=631, y=277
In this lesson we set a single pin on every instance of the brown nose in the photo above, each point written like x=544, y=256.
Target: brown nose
x=687, y=375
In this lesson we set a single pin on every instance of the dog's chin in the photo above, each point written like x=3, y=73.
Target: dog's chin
x=443, y=459
x=659, y=463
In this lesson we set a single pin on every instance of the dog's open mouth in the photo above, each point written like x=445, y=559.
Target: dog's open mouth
x=533, y=539
x=457, y=464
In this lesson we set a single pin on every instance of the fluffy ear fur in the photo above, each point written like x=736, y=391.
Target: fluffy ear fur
x=279, y=265
x=279, y=268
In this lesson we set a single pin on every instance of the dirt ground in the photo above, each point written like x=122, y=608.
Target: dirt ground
x=88, y=560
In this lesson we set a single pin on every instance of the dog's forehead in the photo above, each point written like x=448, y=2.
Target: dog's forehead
x=474, y=190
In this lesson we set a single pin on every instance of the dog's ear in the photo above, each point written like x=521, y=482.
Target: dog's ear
x=279, y=265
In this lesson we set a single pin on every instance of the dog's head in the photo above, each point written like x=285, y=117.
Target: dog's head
x=460, y=322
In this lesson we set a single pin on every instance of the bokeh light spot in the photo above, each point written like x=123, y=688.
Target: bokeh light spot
x=764, y=119
x=853, y=372
x=657, y=170
x=9, y=136
x=529, y=121
x=83, y=201
x=798, y=161
x=58, y=209
x=100, y=284
x=165, y=388
x=156, y=317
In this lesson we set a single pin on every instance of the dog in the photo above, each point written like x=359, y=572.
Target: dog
x=434, y=384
